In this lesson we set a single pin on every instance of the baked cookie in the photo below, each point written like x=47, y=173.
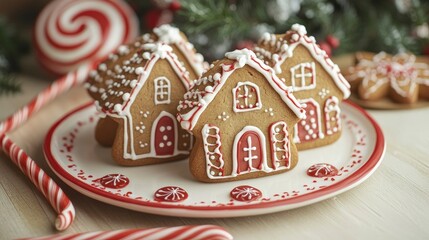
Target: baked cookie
x=137, y=89
x=242, y=118
x=401, y=77
x=314, y=79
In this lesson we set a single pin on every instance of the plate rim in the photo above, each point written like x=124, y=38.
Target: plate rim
x=351, y=181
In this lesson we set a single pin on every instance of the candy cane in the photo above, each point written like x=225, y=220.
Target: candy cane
x=52, y=192
x=73, y=14
x=203, y=232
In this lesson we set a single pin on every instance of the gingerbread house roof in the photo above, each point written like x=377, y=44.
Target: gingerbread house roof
x=281, y=47
x=117, y=81
x=196, y=100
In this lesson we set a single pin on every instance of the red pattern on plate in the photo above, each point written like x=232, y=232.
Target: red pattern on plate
x=245, y=193
x=349, y=173
x=114, y=181
x=170, y=194
x=322, y=170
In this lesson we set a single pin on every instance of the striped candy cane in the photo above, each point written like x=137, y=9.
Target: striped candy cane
x=52, y=192
x=68, y=33
x=203, y=232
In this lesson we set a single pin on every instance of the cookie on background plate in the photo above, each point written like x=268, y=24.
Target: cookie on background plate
x=402, y=78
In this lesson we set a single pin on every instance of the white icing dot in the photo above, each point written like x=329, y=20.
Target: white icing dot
x=216, y=77
x=139, y=71
x=165, y=137
x=126, y=96
x=133, y=83
x=169, y=143
x=162, y=129
x=118, y=108
x=209, y=89
x=102, y=67
x=303, y=123
x=161, y=145
x=212, y=173
x=169, y=128
x=314, y=135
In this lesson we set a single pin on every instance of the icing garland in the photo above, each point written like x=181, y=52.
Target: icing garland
x=214, y=158
x=332, y=105
x=280, y=145
x=196, y=101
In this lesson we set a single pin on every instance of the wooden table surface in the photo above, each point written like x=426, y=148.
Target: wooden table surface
x=392, y=204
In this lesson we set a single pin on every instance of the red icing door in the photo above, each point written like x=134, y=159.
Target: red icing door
x=249, y=152
x=165, y=136
x=309, y=129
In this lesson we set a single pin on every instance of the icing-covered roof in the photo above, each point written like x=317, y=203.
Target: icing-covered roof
x=275, y=49
x=205, y=89
x=118, y=79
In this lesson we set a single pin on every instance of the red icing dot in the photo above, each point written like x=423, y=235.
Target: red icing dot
x=114, y=181
x=170, y=194
x=245, y=193
x=322, y=170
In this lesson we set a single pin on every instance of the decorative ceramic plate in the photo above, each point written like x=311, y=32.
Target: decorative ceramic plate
x=169, y=189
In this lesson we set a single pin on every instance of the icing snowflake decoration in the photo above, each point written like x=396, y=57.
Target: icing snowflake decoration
x=171, y=194
x=322, y=170
x=114, y=181
x=245, y=193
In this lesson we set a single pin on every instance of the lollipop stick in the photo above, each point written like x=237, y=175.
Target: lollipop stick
x=52, y=192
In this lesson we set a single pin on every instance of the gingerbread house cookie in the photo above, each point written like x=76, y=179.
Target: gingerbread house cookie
x=137, y=89
x=402, y=77
x=242, y=118
x=314, y=79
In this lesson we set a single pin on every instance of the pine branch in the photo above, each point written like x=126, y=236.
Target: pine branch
x=8, y=84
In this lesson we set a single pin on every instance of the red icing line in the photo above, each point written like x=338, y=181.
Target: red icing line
x=245, y=193
x=170, y=194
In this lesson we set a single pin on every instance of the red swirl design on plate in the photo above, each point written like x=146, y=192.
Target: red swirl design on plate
x=114, y=181
x=322, y=170
x=245, y=193
x=170, y=194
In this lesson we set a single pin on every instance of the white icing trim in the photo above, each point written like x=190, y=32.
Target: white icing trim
x=246, y=96
x=328, y=109
x=302, y=76
x=296, y=138
x=209, y=165
x=159, y=90
x=286, y=145
x=242, y=57
x=171, y=35
x=299, y=37
x=265, y=167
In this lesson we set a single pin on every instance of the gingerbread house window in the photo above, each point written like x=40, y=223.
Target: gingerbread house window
x=246, y=97
x=162, y=90
x=303, y=76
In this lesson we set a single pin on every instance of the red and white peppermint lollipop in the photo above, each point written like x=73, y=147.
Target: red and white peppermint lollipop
x=69, y=33
x=109, y=22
